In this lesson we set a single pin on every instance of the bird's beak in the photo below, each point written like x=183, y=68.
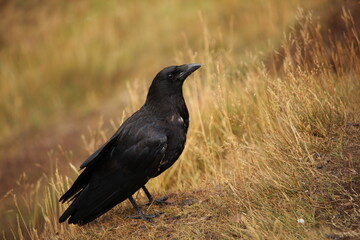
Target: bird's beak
x=188, y=69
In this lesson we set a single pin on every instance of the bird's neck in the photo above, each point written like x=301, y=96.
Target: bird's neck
x=165, y=105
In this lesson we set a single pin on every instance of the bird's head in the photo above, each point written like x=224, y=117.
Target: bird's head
x=169, y=81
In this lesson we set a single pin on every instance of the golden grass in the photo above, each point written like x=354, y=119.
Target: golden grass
x=60, y=57
x=250, y=167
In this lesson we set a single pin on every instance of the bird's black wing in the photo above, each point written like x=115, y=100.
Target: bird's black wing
x=97, y=154
x=133, y=158
x=100, y=155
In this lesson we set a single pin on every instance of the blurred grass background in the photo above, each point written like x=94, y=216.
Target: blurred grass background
x=63, y=56
x=64, y=64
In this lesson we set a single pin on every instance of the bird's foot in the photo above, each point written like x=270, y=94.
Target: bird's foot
x=160, y=201
x=146, y=217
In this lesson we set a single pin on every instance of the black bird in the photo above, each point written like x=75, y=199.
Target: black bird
x=144, y=146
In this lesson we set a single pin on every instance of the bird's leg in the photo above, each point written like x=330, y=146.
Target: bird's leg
x=160, y=201
x=141, y=214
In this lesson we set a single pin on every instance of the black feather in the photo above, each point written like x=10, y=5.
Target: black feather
x=145, y=145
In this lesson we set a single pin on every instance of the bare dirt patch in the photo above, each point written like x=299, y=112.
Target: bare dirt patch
x=338, y=184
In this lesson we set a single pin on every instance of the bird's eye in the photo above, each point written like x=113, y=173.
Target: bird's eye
x=170, y=76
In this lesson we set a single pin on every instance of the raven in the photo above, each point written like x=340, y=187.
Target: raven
x=144, y=146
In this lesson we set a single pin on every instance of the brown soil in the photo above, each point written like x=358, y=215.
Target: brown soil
x=342, y=188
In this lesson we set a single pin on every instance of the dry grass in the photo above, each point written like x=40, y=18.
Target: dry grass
x=65, y=64
x=59, y=57
x=265, y=148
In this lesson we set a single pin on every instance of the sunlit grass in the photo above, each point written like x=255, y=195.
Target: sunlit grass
x=63, y=57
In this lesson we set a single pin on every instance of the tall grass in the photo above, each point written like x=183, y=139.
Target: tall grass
x=60, y=57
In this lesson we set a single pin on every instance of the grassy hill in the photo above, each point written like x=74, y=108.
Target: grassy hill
x=274, y=133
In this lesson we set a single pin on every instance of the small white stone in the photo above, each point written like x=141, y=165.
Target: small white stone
x=300, y=220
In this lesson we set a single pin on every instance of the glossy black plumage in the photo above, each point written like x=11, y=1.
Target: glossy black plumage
x=144, y=146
